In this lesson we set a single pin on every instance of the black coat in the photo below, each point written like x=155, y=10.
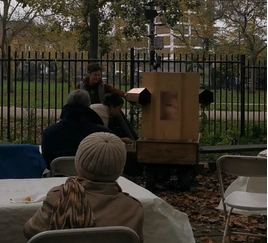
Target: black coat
x=64, y=137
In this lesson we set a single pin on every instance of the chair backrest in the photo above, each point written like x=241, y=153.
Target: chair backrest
x=111, y=234
x=21, y=161
x=63, y=166
x=249, y=166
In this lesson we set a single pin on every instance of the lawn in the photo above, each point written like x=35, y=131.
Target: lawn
x=31, y=95
x=53, y=95
x=231, y=100
x=46, y=95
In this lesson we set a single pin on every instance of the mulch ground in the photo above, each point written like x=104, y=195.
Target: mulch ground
x=199, y=204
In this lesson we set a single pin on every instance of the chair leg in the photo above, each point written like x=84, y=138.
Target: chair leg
x=226, y=230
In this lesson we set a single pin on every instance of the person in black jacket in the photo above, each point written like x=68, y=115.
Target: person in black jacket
x=77, y=122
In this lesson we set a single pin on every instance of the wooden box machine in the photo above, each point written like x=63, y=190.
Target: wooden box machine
x=170, y=123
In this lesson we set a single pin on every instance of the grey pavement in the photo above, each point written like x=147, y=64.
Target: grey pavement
x=56, y=112
x=257, y=116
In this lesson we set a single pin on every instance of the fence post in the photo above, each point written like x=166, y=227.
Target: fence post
x=8, y=91
x=132, y=68
x=132, y=77
x=242, y=84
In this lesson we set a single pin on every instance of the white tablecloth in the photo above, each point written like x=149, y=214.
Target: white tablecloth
x=248, y=184
x=162, y=223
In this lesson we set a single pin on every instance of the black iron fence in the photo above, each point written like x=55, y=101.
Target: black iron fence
x=34, y=87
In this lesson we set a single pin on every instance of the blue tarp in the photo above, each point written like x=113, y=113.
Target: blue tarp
x=21, y=161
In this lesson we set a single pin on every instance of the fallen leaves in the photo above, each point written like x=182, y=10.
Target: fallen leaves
x=261, y=226
x=205, y=240
x=213, y=221
x=200, y=202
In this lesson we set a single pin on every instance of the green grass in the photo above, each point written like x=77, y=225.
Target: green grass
x=228, y=96
x=38, y=96
x=253, y=102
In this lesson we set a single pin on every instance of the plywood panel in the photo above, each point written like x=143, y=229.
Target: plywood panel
x=153, y=125
x=190, y=106
x=173, y=113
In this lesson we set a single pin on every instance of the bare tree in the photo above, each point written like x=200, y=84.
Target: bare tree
x=15, y=18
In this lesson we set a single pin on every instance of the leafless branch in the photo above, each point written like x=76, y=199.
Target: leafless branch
x=13, y=10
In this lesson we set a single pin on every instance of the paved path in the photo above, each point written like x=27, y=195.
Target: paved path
x=53, y=112
x=262, y=116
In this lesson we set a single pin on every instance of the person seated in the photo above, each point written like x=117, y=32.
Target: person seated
x=111, y=107
x=93, y=198
x=77, y=121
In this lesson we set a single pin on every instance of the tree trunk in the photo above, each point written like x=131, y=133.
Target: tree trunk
x=206, y=46
x=94, y=29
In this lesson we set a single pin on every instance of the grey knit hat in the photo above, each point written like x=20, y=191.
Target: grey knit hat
x=100, y=157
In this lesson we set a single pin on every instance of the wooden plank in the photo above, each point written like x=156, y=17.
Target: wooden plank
x=167, y=153
x=168, y=141
x=232, y=148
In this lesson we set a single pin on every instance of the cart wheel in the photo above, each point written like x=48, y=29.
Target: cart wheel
x=186, y=175
x=150, y=178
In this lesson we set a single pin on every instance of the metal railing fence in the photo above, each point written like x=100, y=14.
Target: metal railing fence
x=34, y=87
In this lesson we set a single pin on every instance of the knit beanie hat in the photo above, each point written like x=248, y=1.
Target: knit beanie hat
x=100, y=157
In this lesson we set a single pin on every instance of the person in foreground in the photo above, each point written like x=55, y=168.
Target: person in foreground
x=93, y=198
x=77, y=121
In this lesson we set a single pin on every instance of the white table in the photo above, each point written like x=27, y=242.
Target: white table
x=248, y=184
x=162, y=223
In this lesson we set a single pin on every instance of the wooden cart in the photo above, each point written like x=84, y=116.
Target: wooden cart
x=170, y=124
x=157, y=154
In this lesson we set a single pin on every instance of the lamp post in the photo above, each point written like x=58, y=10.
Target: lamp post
x=150, y=14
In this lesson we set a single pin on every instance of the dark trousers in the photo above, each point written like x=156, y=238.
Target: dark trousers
x=121, y=127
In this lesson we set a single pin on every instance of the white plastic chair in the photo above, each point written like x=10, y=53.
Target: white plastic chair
x=111, y=234
x=63, y=166
x=249, y=166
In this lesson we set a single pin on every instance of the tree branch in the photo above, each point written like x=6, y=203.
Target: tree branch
x=263, y=48
x=10, y=15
